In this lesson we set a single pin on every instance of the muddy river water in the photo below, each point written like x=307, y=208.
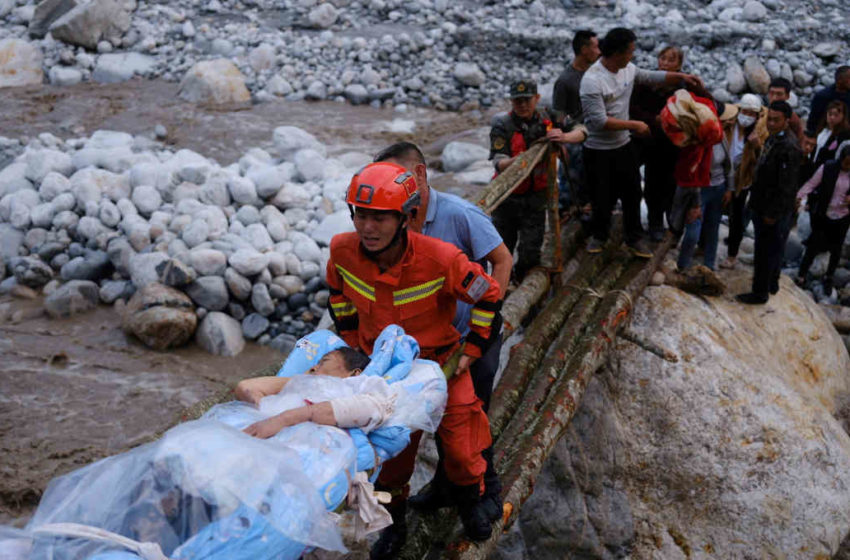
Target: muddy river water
x=75, y=390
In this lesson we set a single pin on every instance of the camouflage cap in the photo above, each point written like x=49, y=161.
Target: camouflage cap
x=523, y=88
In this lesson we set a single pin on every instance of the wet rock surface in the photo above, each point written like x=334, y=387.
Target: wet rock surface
x=710, y=452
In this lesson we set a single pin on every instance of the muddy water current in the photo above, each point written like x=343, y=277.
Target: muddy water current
x=76, y=390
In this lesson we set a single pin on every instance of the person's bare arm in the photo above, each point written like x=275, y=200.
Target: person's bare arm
x=576, y=136
x=504, y=163
x=319, y=413
x=638, y=127
x=502, y=262
x=254, y=389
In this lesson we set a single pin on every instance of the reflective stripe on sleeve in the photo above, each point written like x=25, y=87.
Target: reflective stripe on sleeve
x=357, y=284
x=415, y=293
x=482, y=318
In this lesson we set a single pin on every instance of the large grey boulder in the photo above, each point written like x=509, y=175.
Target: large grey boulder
x=220, y=334
x=735, y=80
x=288, y=140
x=46, y=12
x=120, y=67
x=31, y=271
x=469, y=74
x=20, y=63
x=161, y=317
x=323, y=16
x=739, y=448
x=142, y=266
x=209, y=292
x=90, y=22
x=76, y=296
x=457, y=156
x=215, y=82
x=756, y=75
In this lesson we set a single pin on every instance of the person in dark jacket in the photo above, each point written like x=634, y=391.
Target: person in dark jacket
x=830, y=212
x=839, y=90
x=657, y=153
x=772, y=200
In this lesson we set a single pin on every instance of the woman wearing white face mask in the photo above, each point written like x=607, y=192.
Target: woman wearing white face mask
x=745, y=140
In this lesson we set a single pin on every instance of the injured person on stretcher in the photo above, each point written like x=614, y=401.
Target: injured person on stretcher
x=207, y=490
x=357, y=411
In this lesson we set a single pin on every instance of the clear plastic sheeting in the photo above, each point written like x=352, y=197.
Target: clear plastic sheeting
x=208, y=491
x=205, y=490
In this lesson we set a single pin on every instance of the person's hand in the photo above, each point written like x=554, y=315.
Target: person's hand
x=693, y=215
x=769, y=221
x=693, y=81
x=727, y=198
x=640, y=128
x=555, y=135
x=796, y=205
x=265, y=429
x=463, y=364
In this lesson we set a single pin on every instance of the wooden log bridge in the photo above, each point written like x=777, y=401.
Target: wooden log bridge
x=541, y=387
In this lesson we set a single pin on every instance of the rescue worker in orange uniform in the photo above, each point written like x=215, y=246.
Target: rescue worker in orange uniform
x=383, y=274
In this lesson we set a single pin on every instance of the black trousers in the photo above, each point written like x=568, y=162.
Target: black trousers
x=614, y=175
x=521, y=221
x=769, y=250
x=659, y=159
x=827, y=235
x=739, y=218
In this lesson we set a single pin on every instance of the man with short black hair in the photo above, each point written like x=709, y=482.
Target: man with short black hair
x=566, y=103
x=565, y=96
x=839, y=90
x=610, y=160
x=772, y=197
x=780, y=90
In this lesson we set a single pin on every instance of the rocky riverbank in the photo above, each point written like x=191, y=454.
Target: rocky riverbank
x=451, y=55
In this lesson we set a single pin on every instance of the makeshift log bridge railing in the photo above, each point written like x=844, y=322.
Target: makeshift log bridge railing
x=567, y=340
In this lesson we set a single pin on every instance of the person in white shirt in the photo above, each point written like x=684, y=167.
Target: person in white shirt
x=611, y=163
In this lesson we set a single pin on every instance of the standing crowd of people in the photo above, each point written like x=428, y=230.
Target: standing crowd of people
x=419, y=258
x=702, y=158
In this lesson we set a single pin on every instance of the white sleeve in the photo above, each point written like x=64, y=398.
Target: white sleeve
x=366, y=411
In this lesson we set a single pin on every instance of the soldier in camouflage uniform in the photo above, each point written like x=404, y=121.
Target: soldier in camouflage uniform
x=521, y=218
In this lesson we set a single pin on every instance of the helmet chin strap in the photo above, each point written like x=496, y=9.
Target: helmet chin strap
x=393, y=242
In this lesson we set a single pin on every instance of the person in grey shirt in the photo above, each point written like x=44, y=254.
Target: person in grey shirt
x=567, y=107
x=565, y=94
x=610, y=160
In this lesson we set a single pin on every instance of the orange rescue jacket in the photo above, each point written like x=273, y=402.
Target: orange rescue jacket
x=419, y=293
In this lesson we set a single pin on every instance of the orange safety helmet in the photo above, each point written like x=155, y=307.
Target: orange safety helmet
x=384, y=186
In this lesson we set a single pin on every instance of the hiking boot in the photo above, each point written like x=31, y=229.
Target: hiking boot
x=435, y=495
x=752, y=298
x=594, y=246
x=640, y=249
x=392, y=538
x=492, y=498
x=473, y=513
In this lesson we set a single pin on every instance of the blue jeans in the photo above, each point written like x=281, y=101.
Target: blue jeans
x=711, y=209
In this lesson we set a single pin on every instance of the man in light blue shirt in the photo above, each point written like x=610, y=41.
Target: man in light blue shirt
x=464, y=225
x=457, y=221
